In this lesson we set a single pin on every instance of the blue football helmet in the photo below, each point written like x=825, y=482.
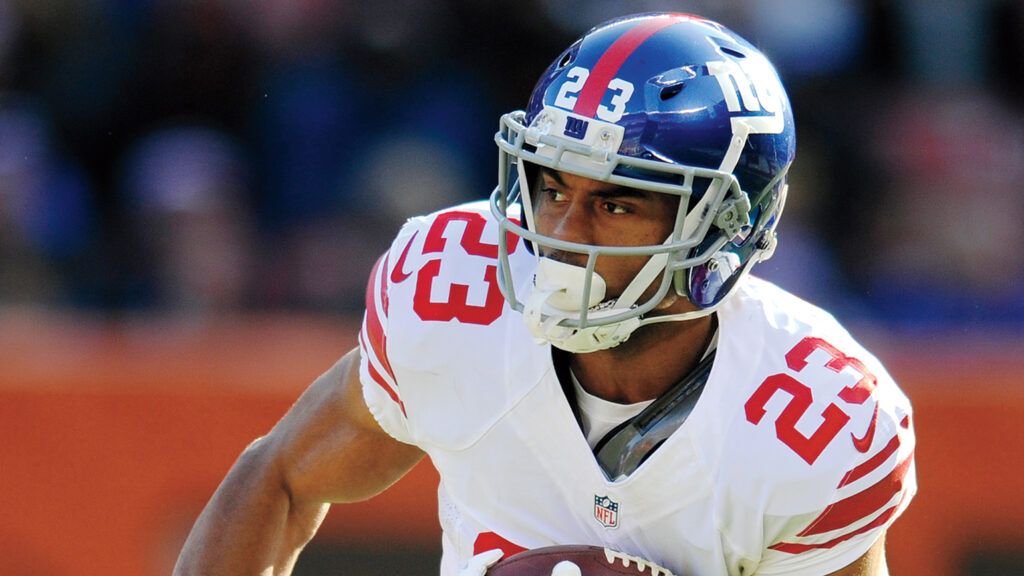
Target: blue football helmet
x=670, y=103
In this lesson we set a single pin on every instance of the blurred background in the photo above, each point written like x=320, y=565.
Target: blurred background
x=192, y=193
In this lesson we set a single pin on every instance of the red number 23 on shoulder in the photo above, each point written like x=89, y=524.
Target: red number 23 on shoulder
x=834, y=418
x=457, y=306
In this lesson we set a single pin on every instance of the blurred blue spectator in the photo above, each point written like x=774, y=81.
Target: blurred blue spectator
x=186, y=191
x=310, y=126
x=47, y=218
x=948, y=40
x=808, y=37
x=944, y=247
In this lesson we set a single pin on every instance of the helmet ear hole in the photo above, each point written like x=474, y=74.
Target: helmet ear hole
x=733, y=52
x=670, y=91
x=565, y=60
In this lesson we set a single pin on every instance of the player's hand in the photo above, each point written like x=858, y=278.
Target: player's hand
x=478, y=565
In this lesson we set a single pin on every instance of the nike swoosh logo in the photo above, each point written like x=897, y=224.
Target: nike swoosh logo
x=398, y=273
x=863, y=444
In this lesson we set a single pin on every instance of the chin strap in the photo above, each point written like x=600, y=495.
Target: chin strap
x=558, y=295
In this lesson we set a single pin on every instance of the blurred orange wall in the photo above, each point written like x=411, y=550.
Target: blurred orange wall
x=115, y=434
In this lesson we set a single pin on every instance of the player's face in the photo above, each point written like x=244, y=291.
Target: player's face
x=578, y=209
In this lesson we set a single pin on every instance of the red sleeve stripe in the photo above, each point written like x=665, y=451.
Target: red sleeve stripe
x=490, y=541
x=371, y=356
x=791, y=548
x=383, y=284
x=371, y=284
x=379, y=379
x=862, y=504
x=376, y=301
x=872, y=463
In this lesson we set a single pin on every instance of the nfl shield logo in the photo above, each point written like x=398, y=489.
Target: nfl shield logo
x=606, y=511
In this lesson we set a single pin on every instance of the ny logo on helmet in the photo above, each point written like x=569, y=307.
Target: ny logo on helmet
x=750, y=85
x=575, y=127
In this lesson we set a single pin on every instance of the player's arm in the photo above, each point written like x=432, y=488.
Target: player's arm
x=872, y=563
x=327, y=448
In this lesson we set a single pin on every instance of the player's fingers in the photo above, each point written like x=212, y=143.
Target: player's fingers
x=488, y=558
x=477, y=565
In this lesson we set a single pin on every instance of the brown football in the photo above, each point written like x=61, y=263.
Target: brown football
x=590, y=561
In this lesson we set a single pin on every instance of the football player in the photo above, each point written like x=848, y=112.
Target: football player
x=585, y=358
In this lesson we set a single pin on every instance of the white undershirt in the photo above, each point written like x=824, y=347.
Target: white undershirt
x=598, y=416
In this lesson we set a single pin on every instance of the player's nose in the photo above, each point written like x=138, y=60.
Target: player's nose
x=565, y=257
x=572, y=224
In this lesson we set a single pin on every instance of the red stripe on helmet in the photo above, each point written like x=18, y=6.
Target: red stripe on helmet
x=613, y=58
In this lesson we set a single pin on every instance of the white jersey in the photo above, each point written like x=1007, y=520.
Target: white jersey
x=796, y=457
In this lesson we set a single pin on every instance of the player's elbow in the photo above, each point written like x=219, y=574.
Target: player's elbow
x=262, y=463
x=268, y=465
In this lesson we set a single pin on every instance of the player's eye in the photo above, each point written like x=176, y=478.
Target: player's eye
x=614, y=208
x=553, y=194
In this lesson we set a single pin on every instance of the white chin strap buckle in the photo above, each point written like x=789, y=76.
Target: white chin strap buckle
x=558, y=295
